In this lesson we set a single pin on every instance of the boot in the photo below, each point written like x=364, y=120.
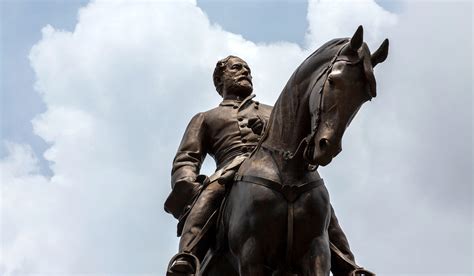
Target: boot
x=195, y=239
x=183, y=264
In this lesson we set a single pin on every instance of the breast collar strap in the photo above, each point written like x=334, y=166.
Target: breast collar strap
x=289, y=192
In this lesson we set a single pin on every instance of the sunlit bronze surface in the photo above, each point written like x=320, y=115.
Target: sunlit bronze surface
x=277, y=216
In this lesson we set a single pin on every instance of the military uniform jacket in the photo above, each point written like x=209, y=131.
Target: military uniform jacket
x=224, y=134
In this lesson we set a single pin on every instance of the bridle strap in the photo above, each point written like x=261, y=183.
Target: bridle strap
x=287, y=155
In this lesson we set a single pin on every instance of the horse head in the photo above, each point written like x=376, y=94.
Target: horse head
x=349, y=82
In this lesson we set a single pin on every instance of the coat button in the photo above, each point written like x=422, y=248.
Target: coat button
x=244, y=140
x=240, y=119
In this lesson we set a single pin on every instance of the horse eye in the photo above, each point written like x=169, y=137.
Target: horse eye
x=330, y=81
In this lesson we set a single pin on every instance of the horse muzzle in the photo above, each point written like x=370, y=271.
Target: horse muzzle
x=321, y=151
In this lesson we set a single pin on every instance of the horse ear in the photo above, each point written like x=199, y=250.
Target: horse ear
x=381, y=54
x=357, y=39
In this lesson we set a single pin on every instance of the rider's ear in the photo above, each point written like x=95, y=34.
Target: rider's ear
x=381, y=54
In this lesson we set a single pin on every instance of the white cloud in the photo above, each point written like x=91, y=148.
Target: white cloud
x=120, y=89
x=338, y=18
x=405, y=171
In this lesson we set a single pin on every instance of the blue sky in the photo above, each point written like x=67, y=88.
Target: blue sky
x=85, y=161
x=21, y=24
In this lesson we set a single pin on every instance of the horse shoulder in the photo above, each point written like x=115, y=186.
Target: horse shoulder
x=260, y=165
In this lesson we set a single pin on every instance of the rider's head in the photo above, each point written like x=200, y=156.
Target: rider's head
x=232, y=78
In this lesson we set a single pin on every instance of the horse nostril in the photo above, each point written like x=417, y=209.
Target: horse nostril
x=323, y=144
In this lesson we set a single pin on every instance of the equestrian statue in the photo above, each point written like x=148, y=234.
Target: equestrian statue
x=266, y=210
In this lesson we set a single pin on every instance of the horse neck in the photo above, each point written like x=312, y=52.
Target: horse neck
x=290, y=121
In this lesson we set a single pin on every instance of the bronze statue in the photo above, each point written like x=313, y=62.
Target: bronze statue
x=277, y=216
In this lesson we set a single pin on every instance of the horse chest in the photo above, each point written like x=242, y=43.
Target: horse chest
x=258, y=215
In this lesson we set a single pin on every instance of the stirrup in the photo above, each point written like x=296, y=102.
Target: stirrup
x=361, y=272
x=188, y=256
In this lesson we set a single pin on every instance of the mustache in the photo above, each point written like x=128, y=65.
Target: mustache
x=245, y=78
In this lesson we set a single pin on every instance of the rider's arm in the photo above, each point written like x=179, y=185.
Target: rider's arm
x=186, y=166
x=191, y=152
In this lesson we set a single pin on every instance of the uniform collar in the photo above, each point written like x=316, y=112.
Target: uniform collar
x=236, y=102
x=230, y=102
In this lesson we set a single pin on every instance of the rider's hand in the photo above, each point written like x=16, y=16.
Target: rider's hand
x=256, y=124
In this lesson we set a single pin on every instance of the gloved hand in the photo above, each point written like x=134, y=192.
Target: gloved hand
x=256, y=124
x=227, y=177
x=182, y=195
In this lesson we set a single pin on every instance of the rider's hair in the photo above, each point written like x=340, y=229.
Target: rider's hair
x=218, y=71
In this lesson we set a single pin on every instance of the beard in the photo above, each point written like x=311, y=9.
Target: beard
x=241, y=88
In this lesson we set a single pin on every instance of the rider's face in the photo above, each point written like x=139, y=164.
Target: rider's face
x=236, y=78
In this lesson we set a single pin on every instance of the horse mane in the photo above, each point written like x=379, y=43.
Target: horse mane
x=317, y=61
x=288, y=106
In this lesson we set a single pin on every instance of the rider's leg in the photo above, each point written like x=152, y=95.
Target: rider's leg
x=342, y=258
x=320, y=257
x=337, y=236
x=192, y=239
